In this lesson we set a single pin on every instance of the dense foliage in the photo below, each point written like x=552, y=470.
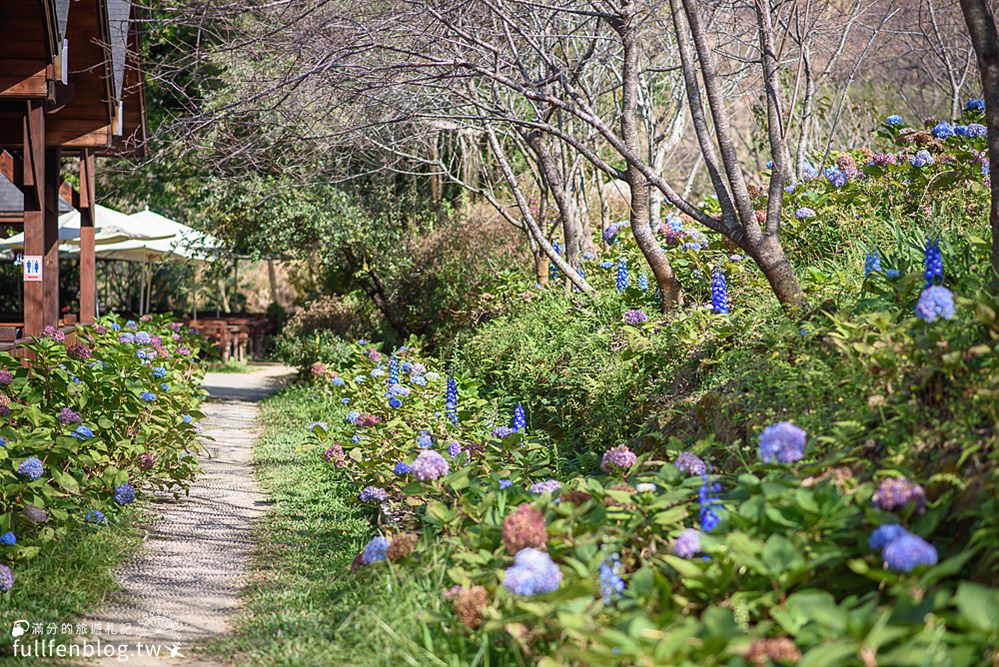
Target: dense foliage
x=88, y=423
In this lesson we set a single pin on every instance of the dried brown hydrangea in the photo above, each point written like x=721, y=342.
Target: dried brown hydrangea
x=778, y=650
x=524, y=527
x=401, y=546
x=469, y=604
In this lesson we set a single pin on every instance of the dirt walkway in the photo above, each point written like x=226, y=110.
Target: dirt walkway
x=184, y=587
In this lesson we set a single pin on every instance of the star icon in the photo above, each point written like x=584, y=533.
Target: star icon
x=175, y=651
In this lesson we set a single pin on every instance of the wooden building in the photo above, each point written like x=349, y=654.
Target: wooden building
x=71, y=87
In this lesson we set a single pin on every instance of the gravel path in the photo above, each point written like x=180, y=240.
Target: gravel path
x=183, y=588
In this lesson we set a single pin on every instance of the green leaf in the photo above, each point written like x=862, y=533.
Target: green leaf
x=979, y=606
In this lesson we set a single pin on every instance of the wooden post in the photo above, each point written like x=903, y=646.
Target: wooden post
x=33, y=183
x=50, y=282
x=88, y=262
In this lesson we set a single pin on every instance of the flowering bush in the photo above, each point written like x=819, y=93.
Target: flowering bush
x=88, y=426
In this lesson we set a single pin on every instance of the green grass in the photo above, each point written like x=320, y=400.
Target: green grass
x=303, y=605
x=231, y=366
x=68, y=578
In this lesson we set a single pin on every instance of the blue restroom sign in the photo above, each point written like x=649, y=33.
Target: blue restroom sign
x=32, y=268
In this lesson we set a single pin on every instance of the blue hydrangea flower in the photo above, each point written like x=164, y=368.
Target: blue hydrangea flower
x=31, y=468
x=501, y=432
x=397, y=390
x=688, y=544
x=424, y=440
x=606, y=264
x=519, y=419
x=419, y=380
x=433, y=376
x=961, y=130
x=370, y=493
x=782, y=442
x=611, y=583
x=719, y=292
x=352, y=417
x=345, y=400
x=882, y=535
x=124, y=494
x=3, y=443
x=359, y=379
x=622, y=274
x=547, y=486
x=377, y=372
x=402, y=468
x=708, y=497
x=836, y=177
x=975, y=104
x=82, y=433
x=810, y=171
x=933, y=261
x=148, y=396
x=976, y=130
x=375, y=551
x=892, y=273
x=95, y=516
x=8, y=539
x=804, y=213
x=935, y=301
x=505, y=484
x=357, y=438
x=337, y=381
x=115, y=326
x=894, y=120
x=187, y=418
x=921, y=159
x=907, y=552
x=693, y=245
x=872, y=263
x=159, y=372
x=533, y=572
x=943, y=130
x=405, y=365
x=319, y=424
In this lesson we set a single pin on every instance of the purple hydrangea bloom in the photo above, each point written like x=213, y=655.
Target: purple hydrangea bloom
x=921, y=159
x=688, y=544
x=402, y=468
x=375, y=551
x=836, y=177
x=976, y=130
x=635, y=316
x=804, y=213
x=6, y=578
x=690, y=464
x=882, y=535
x=124, y=494
x=505, y=484
x=618, y=459
x=398, y=390
x=424, y=440
x=69, y=416
x=430, y=465
x=533, y=572
x=502, y=432
x=31, y=468
x=782, y=442
x=370, y=493
x=907, y=552
x=547, y=486
x=352, y=417
x=935, y=301
x=897, y=492
x=454, y=448
x=6, y=377
x=610, y=234
x=126, y=338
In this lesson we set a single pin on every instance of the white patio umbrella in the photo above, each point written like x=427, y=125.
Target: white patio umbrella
x=110, y=226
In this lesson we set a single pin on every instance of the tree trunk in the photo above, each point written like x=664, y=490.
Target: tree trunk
x=571, y=229
x=982, y=27
x=639, y=184
x=769, y=256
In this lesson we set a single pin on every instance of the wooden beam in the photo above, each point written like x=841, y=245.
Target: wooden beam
x=88, y=263
x=33, y=185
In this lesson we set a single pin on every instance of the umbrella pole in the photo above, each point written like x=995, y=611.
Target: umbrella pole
x=149, y=285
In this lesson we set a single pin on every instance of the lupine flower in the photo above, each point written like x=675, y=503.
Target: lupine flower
x=519, y=419
x=836, y=177
x=524, y=527
x=533, y=572
x=688, y=544
x=897, y=492
x=124, y=494
x=395, y=402
x=552, y=267
x=402, y=469
x=611, y=583
x=782, y=442
x=894, y=120
x=375, y=551
x=921, y=159
x=393, y=377
x=8, y=539
x=6, y=578
x=882, y=535
x=451, y=400
x=690, y=464
x=935, y=301
x=82, y=433
x=643, y=282
x=370, y=493
x=975, y=104
x=548, y=486
x=69, y=416
x=53, y=333
x=804, y=213
x=148, y=396
x=454, y=448
x=618, y=459
x=719, y=291
x=424, y=440
x=872, y=263
x=943, y=130
x=635, y=317
x=622, y=274
x=907, y=552
x=429, y=466
x=31, y=468
x=933, y=261
x=6, y=377
x=708, y=497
